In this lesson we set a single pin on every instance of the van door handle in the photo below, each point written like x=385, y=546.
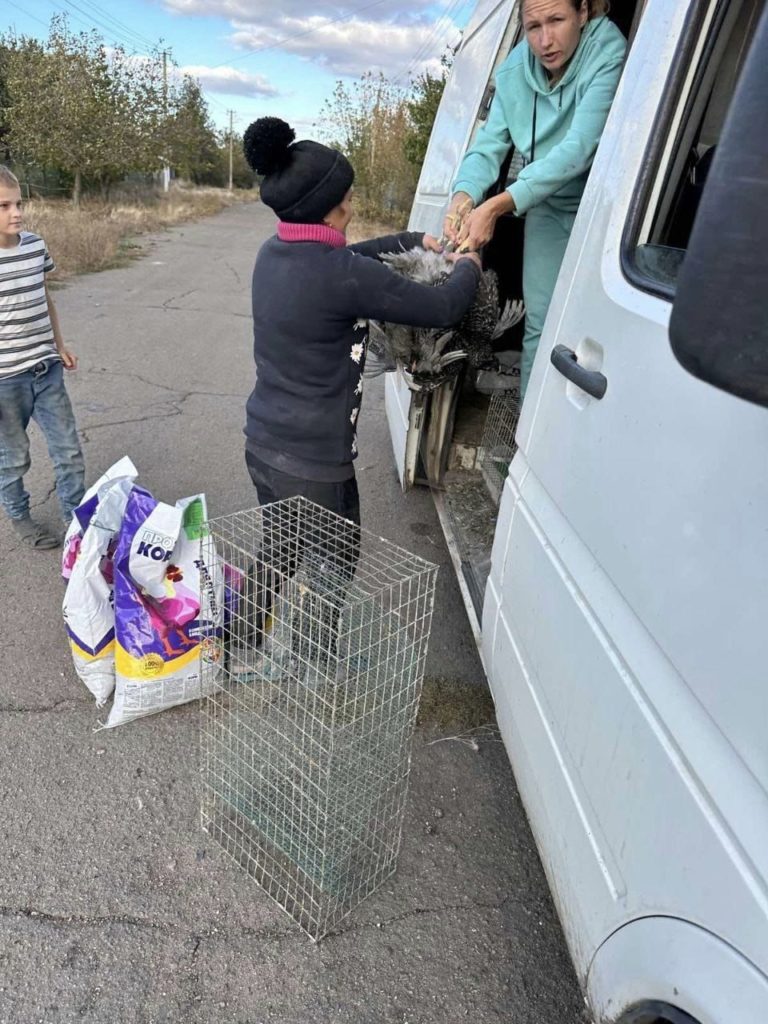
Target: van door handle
x=592, y=381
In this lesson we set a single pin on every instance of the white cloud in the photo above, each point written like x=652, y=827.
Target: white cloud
x=230, y=80
x=255, y=11
x=391, y=36
x=351, y=47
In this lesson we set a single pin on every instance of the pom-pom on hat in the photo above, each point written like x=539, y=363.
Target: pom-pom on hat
x=303, y=181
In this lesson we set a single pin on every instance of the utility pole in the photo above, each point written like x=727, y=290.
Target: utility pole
x=166, y=168
x=374, y=128
x=231, y=115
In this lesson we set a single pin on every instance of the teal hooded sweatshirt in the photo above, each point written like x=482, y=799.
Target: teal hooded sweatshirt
x=568, y=119
x=556, y=128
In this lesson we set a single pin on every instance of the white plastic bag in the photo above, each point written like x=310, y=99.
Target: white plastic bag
x=82, y=515
x=89, y=611
x=161, y=618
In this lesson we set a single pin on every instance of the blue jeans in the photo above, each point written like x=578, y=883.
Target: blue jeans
x=38, y=394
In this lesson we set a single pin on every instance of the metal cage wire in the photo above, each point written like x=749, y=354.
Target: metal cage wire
x=306, y=738
x=498, y=446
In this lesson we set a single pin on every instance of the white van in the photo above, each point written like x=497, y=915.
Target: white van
x=619, y=591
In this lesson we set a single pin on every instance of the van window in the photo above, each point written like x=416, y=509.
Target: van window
x=686, y=141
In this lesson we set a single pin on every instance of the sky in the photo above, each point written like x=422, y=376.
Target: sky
x=266, y=57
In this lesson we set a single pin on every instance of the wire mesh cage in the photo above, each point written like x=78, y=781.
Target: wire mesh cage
x=306, y=739
x=498, y=445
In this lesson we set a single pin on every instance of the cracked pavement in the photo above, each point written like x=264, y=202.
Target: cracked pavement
x=114, y=905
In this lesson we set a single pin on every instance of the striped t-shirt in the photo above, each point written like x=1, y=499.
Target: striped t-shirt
x=26, y=333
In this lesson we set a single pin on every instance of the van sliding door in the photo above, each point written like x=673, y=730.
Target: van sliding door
x=463, y=104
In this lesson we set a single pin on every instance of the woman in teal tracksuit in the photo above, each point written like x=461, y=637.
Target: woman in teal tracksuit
x=553, y=93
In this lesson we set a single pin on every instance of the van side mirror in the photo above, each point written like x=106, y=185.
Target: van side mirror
x=719, y=324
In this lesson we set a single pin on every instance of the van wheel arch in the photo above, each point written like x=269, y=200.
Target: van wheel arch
x=666, y=970
x=654, y=1012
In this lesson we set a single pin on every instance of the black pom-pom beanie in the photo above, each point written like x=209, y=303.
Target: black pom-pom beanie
x=303, y=181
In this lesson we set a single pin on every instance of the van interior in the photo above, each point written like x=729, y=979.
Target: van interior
x=468, y=435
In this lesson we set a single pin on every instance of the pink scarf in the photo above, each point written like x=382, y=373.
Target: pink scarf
x=310, y=233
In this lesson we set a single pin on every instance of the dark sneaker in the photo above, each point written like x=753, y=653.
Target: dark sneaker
x=34, y=534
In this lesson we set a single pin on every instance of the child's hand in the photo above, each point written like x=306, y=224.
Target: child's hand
x=454, y=257
x=69, y=359
x=430, y=242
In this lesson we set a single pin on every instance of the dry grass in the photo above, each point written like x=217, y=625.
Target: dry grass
x=102, y=235
x=360, y=230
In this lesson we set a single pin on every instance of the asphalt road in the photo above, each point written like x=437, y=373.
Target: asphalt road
x=114, y=905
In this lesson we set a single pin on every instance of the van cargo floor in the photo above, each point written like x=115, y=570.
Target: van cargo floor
x=472, y=517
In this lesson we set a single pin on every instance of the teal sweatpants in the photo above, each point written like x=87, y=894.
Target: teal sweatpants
x=546, y=235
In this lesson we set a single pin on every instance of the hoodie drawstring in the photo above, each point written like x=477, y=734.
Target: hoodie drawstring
x=533, y=123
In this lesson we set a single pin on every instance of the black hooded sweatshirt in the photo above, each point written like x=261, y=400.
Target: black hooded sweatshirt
x=311, y=304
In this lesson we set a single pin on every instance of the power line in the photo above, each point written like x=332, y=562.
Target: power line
x=144, y=40
x=28, y=15
x=58, y=9
x=437, y=28
x=298, y=35
x=218, y=103
x=208, y=98
x=93, y=21
x=90, y=23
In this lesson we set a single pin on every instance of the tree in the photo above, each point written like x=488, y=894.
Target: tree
x=192, y=145
x=4, y=104
x=75, y=105
x=422, y=110
x=368, y=123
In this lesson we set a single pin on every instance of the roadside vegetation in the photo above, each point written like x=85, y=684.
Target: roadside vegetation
x=99, y=235
x=80, y=117
x=94, y=133
x=383, y=128
x=361, y=228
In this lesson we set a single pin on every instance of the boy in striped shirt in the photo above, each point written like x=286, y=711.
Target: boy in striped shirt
x=32, y=355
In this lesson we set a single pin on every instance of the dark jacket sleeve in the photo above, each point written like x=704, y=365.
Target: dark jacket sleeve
x=388, y=243
x=371, y=291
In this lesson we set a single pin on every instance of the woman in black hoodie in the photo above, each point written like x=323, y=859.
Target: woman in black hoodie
x=312, y=297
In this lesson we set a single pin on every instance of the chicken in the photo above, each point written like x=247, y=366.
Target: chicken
x=170, y=615
x=432, y=355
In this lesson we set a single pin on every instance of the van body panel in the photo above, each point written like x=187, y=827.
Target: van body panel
x=679, y=964
x=397, y=405
x=485, y=42
x=624, y=616
x=631, y=617
x=480, y=50
x=668, y=453
x=592, y=761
